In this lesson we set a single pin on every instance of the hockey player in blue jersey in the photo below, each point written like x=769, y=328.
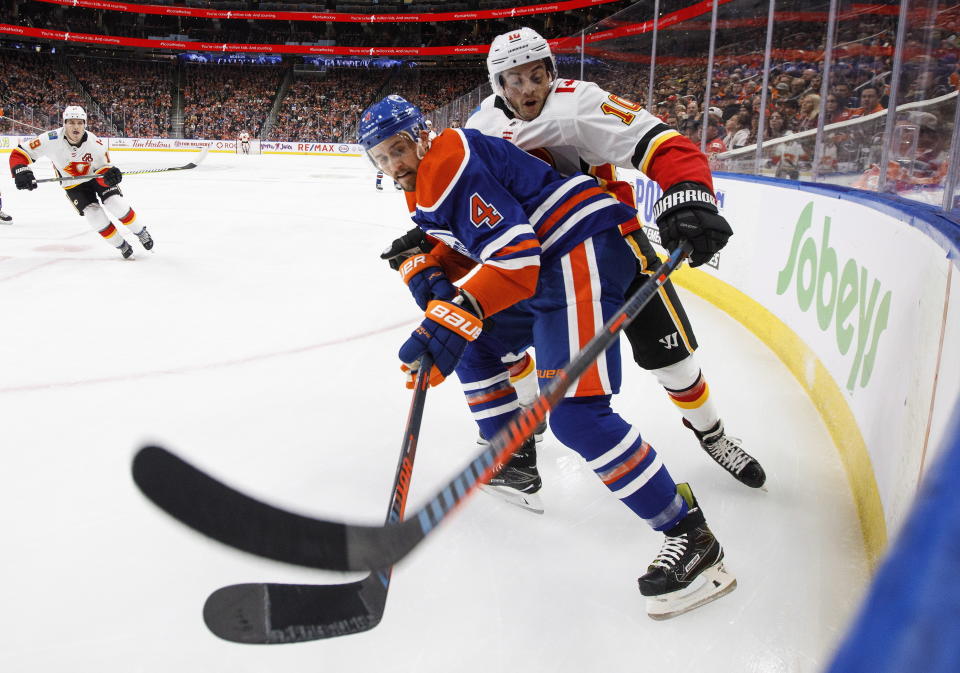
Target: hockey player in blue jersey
x=552, y=267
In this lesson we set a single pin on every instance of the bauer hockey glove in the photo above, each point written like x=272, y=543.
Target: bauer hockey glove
x=688, y=212
x=444, y=333
x=109, y=176
x=410, y=243
x=23, y=177
x=425, y=278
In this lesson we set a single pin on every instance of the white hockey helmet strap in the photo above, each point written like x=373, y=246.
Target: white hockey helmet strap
x=516, y=48
x=74, y=112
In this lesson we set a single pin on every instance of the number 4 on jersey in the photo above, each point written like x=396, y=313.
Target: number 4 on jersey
x=482, y=212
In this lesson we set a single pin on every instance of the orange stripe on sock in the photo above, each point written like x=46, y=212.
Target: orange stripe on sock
x=693, y=398
x=635, y=459
x=129, y=217
x=108, y=231
x=521, y=368
x=488, y=397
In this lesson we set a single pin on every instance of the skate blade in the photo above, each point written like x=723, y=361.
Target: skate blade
x=713, y=583
x=528, y=501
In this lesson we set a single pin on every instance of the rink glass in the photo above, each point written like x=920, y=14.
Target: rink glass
x=838, y=48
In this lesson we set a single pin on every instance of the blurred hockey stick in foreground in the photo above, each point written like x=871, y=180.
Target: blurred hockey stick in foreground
x=224, y=514
x=271, y=614
x=14, y=121
x=193, y=164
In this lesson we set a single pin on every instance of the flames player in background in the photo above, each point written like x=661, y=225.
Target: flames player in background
x=538, y=242
x=244, y=142
x=75, y=152
x=575, y=125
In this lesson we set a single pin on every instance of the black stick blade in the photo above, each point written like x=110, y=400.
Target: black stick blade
x=271, y=614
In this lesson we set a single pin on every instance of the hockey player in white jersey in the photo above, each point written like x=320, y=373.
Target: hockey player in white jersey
x=76, y=153
x=577, y=125
x=244, y=142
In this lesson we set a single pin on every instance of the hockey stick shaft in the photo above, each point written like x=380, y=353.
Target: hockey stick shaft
x=193, y=164
x=266, y=613
x=225, y=514
x=15, y=121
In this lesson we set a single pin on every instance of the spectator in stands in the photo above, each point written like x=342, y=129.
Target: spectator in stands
x=841, y=90
x=809, y=113
x=869, y=102
x=737, y=134
x=834, y=113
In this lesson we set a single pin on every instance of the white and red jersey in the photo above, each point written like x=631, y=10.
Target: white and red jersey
x=68, y=160
x=244, y=137
x=583, y=126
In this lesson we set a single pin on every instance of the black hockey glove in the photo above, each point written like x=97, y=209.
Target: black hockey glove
x=411, y=243
x=23, y=177
x=110, y=177
x=688, y=212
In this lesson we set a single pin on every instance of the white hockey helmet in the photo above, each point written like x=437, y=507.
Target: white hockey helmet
x=74, y=112
x=516, y=48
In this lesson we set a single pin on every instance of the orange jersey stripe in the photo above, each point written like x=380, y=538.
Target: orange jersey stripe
x=567, y=206
x=440, y=168
x=522, y=245
x=497, y=288
x=589, y=383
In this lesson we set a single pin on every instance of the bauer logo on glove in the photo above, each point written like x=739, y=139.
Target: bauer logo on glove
x=446, y=330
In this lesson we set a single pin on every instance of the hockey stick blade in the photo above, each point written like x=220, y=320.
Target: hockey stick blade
x=292, y=613
x=274, y=614
x=233, y=518
x=193, y=164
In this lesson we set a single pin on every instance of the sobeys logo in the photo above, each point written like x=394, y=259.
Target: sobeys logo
x=845, y=298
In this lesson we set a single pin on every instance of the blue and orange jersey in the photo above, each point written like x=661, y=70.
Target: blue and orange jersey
x=506, y=210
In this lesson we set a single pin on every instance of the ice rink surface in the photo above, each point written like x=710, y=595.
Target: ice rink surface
x=259, y=341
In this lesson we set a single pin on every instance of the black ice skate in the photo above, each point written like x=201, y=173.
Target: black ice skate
x=729, y=454
x=519, y=480
x=146, y=240
x=126, y=250
x=688, y=572
x=4, y=217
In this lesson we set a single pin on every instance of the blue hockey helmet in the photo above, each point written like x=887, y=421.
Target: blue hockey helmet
x=386, y=118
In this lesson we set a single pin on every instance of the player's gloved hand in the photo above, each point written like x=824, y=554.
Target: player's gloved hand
x=410, y=243
x=688, y=212
x=425, y=278
x=109, y=176
x=444, y=333
x=23, y=177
